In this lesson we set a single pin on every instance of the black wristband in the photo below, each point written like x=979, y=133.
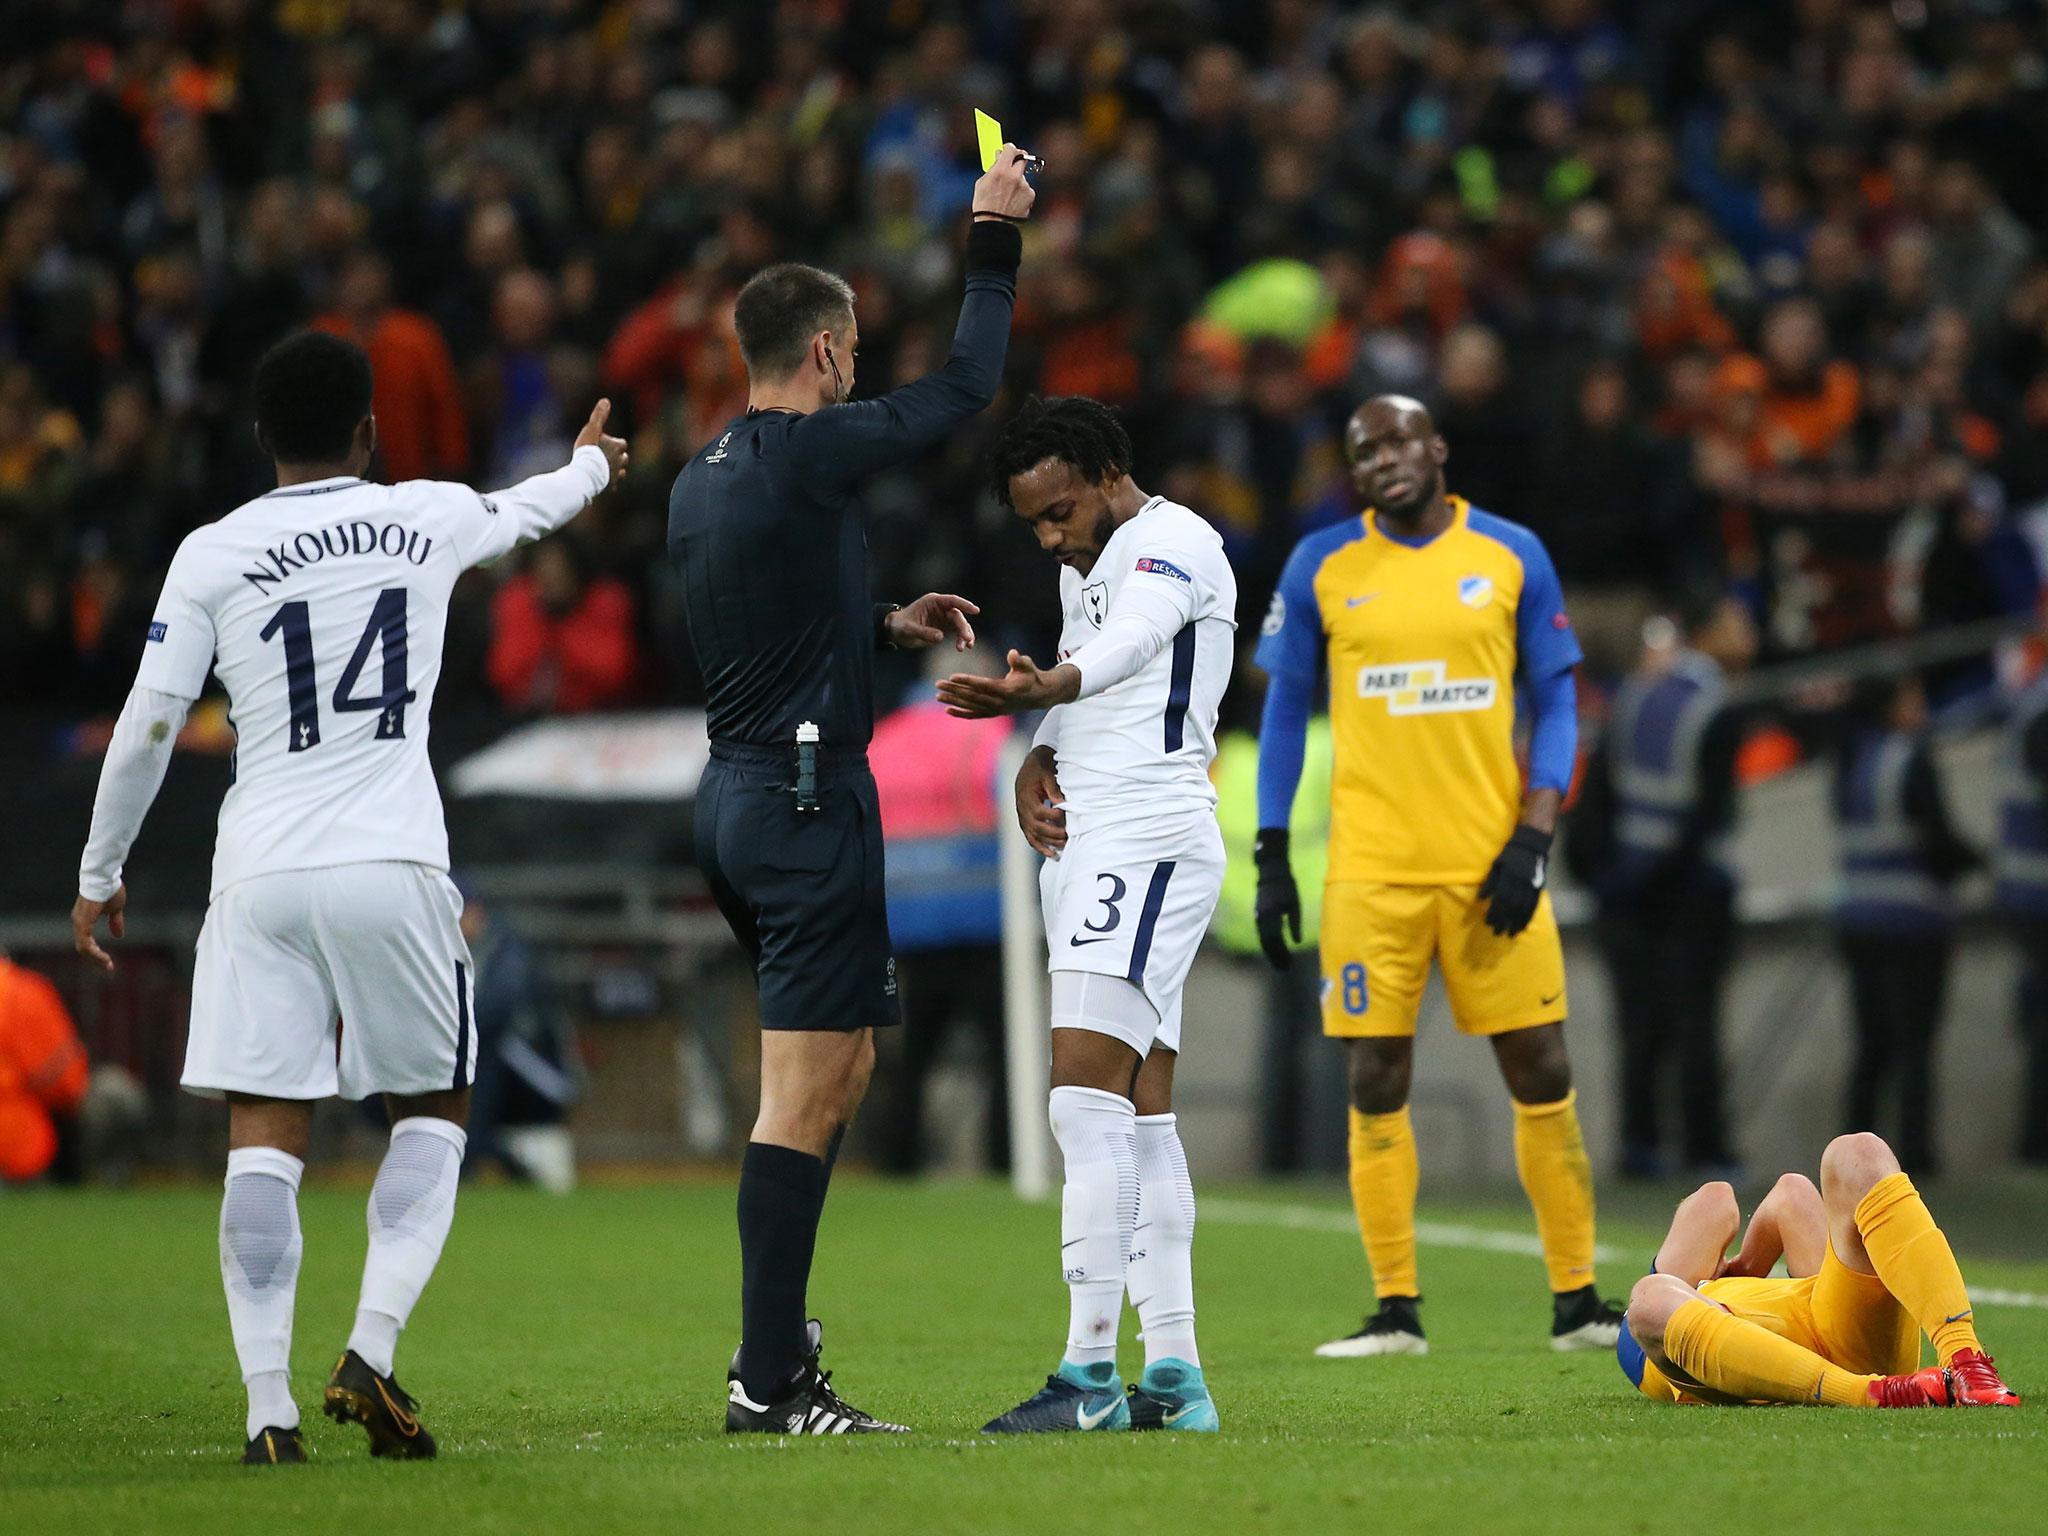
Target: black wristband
x=994, y=245
x=1270, y=845
x=882, y=612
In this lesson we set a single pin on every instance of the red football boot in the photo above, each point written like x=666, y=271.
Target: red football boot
x=1973, y=1382
x=1916, y=1389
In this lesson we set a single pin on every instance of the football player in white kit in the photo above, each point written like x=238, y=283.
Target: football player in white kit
x=322, y=606
x=1116, y=795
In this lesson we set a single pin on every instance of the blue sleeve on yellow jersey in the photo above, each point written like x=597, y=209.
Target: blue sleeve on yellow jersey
x=1554, y=731
x=1291, y=639
x=1283, y=743
x=1291, y=654
x=1547, y=650
x=1543, y=631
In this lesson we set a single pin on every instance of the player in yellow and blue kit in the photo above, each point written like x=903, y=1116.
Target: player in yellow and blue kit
x=1426, y=614
x=1867, y=1272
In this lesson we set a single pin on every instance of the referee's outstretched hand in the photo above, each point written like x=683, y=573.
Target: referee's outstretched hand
x=930, y=619
x=593, y=436
x=1002, y=192
x=1278, y=905
x=1514, y=885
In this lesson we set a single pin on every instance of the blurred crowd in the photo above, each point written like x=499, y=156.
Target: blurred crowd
x=1729, y=293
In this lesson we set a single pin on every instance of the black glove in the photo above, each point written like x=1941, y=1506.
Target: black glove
x=1279, y=904
x=1515, y=883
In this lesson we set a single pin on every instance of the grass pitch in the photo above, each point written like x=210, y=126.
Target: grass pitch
x=570, y=1357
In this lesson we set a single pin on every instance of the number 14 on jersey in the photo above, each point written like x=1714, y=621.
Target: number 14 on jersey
x=294, y=621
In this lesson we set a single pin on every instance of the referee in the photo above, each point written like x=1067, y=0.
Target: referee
x=767, y=530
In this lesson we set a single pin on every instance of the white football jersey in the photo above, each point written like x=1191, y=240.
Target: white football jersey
x=1148, y=741
x=323, y=608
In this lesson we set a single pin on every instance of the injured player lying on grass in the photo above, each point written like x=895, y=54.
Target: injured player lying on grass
x=1867, y=1273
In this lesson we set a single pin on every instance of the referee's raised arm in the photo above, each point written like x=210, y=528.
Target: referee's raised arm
x=854, y=439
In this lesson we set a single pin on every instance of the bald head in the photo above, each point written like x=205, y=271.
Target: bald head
x=1396, y=456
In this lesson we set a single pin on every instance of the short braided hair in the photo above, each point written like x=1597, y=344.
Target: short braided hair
x=1074, y=429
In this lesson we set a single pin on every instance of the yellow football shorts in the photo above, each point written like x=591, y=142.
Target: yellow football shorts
x=1377, y=943
x=1841, y=1314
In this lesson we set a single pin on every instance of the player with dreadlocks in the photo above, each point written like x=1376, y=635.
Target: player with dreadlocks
x=1116, y=795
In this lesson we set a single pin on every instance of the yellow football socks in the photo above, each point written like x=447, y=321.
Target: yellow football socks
x=1916, y=1264
x=1384, y=1175
x=1550, y=1155
x=1741, y=1360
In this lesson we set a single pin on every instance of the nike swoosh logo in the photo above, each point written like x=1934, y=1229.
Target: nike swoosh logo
x=1177, y=1414
x=1077, y=941
x=1546, y=1002
x=1353, y=602
x=1088, y=1420
x=1959, y=1316
x=408, y=1426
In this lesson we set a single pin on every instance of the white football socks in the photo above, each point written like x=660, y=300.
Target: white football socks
x=1098, y=1210
x=412, y=1205
x=1162, y=1253
x=260, y=1248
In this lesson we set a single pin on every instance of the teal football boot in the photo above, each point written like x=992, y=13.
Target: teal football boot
x=1172, y=1395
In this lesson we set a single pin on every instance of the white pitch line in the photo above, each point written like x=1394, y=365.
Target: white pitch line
x=1447, y=1234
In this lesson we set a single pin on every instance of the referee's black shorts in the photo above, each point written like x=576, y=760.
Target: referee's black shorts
x=801, y=890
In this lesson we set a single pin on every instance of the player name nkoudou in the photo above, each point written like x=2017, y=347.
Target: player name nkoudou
x=358, y=537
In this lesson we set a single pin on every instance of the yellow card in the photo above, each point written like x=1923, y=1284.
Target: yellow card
x=990, y=133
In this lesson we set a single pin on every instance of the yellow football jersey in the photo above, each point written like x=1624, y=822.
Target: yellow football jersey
x=1423, y=644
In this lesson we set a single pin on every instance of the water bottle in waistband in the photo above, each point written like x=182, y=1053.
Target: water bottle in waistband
x=807, y=767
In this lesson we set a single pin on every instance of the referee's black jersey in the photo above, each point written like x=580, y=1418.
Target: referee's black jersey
x=767, y=530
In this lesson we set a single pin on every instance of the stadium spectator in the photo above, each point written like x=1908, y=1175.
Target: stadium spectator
x=1809, y=401
x=562, y=637
x=1979, y=248
x=1489, y=431
x=42, y=1071
x=422, y=430
x=1609, y=503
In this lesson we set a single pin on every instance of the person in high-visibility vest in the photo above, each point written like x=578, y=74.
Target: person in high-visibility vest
x=1667, y=893
x=42, y=1071
x=1894, y=918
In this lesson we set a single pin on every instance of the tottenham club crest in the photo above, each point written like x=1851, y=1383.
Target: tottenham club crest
x=1095, y=602
x=1475, y=591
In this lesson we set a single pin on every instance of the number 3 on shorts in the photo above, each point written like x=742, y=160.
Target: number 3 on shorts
x=1354, y=989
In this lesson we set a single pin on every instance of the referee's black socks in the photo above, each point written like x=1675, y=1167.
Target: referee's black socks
x=782, y=1192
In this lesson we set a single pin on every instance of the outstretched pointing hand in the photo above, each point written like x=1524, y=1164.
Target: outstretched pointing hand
x=593, y=435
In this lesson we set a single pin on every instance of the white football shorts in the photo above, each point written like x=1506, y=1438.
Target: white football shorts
x=1131, y=896
x=372, y=952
